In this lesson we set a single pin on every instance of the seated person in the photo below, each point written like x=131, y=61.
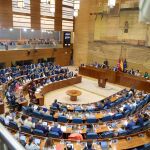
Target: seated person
x=75, y=136
x=146, y=117
x=56, y=129
x=55, y=104
x=31, y=145
x=89, y=146
x=28, y=122
x=130, y=124
x=7, y=118
x=42, y=127
x=107, y=103
x=146, y=75
x=140, y=120
x=49, y=144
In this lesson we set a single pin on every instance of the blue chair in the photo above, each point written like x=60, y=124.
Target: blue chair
x=13, y=125
x=147, y=146
x=24, y=109
x=78, y=109
x=53, y=108
x=92, y=136
x=108, y=134
x=62, y=119
x=122, y=133
x=37, y=114
x=135, y=129
x=53, y=134
x=127, y=112
x=91, y=120
x=77, y=120
x=38, y=132
x=146, y=124
x=26, y=129
x=107, y=118
x=118, y=116
x=2, y=121
x=48, y=117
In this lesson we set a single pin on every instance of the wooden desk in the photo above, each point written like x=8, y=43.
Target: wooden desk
x=116, y=77
x=2, y=110
x=24, y=103
x=55, y=86
x=73, y=94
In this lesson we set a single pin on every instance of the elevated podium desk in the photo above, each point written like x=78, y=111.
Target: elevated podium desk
x=54, y=86
x=116, y=77
x=102, y=82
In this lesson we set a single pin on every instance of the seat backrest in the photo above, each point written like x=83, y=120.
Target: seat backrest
x=13, y=125
x=37, y=114
x=53, y=134
x=108, y=134
x=91, y=120
x=62, y=119
x=2, y=120
x=38, y=132
x=117, y=116
x=77, y=120
x=25, y=129
x=48, y=117
x=92, y=135
x=107, y=118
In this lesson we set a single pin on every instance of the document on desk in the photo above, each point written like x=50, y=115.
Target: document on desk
x=63, y=128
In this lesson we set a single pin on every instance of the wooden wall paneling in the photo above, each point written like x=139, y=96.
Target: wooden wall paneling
x=61, y=55
x=35, y=14
x=58, y=15
x=6, y=14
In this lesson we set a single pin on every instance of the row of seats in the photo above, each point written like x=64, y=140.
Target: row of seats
x=64, y=119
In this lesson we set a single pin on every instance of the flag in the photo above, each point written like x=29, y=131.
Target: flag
x=125, y=64
x=121, y=65
x=118, y=64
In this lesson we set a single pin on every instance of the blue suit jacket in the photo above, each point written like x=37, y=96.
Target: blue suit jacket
x=55, y=129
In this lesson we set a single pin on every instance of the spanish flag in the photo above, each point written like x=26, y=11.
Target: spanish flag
x=121, y=65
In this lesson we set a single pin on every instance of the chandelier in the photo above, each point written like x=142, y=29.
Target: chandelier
x=111, y=3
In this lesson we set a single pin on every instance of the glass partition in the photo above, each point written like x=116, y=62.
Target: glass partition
x=17, y=39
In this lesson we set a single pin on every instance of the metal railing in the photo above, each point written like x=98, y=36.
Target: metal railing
x=7, y=141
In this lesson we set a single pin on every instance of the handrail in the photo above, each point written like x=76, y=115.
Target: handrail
x=9, y=140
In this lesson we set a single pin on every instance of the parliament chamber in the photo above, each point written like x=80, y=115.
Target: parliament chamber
x=74, y=75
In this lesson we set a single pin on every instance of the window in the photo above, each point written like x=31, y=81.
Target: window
x=21, y=21
x=47, y=9
x=68, y=3
x=67, y=13
x=21, y=6
x=47, y=24
x=67, y=25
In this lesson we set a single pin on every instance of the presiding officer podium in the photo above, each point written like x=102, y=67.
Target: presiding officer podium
x=102, y=82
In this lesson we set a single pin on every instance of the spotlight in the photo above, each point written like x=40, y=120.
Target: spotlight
x=25, y=30
x=11, y=29
x=32, y=30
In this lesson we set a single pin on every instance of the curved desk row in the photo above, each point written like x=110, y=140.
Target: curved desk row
x=116, y=77
x=122, y=143
x=54, y=86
